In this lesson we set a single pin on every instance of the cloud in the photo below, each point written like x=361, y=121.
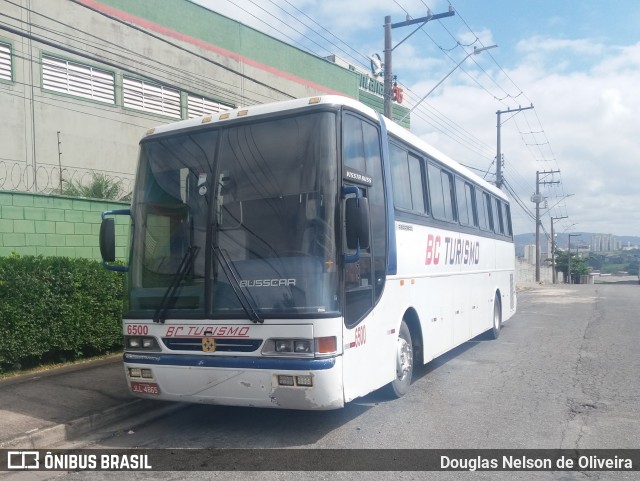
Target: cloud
x=589, y=117
x=547, y=45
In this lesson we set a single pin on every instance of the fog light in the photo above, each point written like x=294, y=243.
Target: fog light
x=283, y=345
x=285, y=380
x=135, y=372
x=304, y=381
x=147, y=374
x=302, y=346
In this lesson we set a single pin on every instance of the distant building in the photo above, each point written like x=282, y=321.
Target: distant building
x=604, y=243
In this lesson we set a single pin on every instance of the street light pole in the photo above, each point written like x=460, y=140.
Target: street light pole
x=499, y=179
x=476, y=51
x=538, y=199
x=569, y=258
x=554, y=274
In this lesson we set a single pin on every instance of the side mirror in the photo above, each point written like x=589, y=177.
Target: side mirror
x=357, y=222
x=108, y=240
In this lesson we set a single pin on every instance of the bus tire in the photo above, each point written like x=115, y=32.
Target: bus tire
x=496, y=325
x=404, y=364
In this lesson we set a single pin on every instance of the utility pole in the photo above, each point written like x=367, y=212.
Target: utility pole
x=388, y=50
x=538, y=199
x=499, y=180
x=554, y=274
x=388, y=72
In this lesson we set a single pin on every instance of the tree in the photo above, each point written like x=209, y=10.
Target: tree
x=100, y=187
x=578, y=264
x=596, y=261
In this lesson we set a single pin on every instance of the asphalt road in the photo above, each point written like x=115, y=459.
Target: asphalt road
x=565, y=373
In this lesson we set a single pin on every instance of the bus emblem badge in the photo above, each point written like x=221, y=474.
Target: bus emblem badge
x=208, y=344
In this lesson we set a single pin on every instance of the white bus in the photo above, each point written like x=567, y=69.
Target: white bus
x=303, y=254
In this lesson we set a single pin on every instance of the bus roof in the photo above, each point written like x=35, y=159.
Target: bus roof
x=294, y=104
x=263, y=109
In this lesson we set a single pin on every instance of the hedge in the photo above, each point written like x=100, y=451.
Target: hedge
x=57, y=308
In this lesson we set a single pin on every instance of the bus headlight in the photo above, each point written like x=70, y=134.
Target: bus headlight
x=293, y=346
x=302, y=347
x=141, y=343
x=321, y=346
x=283, y=345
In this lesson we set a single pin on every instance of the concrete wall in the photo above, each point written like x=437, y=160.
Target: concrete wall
x=526, y=273
x=49, y=225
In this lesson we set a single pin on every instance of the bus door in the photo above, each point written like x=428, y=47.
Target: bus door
x=366, y=336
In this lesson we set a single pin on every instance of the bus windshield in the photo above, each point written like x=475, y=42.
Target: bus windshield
x=234, y=216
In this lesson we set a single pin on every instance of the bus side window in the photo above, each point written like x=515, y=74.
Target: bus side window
x=464, y=195
x=441, y=191
x=406, y=178
x=483, y=222
x=507, y=218
x=471, y=200
x=415, y=178
x=487, y=205
x=400, y=177
x=499, y=227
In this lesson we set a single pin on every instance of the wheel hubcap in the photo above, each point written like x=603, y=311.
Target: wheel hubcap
x=404, y=359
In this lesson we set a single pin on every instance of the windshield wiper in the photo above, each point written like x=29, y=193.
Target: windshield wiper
x=170, y=294
x=245, y=302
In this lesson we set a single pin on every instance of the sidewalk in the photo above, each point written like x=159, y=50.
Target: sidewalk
x=41, y=410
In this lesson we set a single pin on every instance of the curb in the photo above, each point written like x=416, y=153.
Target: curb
x=144, y=410
x=64, y=369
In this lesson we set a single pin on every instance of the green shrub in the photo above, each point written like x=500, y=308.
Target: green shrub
x=57, y=308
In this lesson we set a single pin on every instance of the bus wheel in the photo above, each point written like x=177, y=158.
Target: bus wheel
x=404, y=364
x=494, y=332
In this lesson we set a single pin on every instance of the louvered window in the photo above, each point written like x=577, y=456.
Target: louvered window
x=77, y=79
x=5, y=62
x=150, y=97
x=199, y=106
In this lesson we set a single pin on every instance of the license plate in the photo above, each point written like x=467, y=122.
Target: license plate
x=145, y=387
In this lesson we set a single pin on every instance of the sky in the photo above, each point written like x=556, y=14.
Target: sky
x=576, y=61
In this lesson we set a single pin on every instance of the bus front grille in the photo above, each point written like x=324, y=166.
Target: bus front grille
x=221, y=345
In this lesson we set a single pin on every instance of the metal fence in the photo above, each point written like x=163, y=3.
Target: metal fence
x=52, y=179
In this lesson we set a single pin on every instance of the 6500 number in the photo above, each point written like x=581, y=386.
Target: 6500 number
x=137, y=329
x=361, y=335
